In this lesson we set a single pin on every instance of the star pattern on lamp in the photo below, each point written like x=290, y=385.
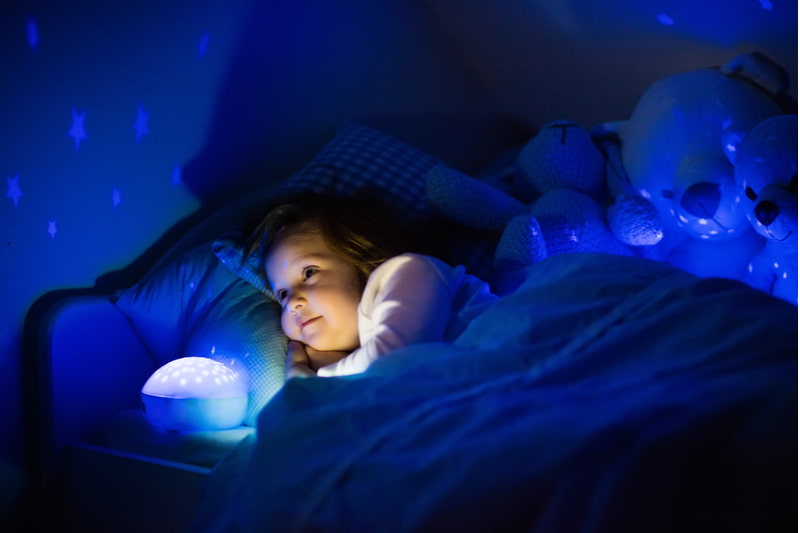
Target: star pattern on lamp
x=140, y=125
x=51, y=228
x=77, y=131
x=116, y=197
x=14, y=192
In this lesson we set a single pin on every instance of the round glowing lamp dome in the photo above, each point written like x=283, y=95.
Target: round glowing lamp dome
x=193, y=394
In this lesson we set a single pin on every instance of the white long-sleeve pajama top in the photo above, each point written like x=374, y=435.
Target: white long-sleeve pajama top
x=410, y=299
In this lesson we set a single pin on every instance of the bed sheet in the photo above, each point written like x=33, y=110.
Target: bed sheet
x=606, y=394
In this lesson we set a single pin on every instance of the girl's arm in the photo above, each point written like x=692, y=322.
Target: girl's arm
x=407, y=300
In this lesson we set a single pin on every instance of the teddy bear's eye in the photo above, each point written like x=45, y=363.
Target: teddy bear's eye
x=751, y=194
x=667, y=194
x=792, y=187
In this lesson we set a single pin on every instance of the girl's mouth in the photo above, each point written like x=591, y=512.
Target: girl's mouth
x=304, y=323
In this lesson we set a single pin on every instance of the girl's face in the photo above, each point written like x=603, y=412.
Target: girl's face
x=318, y=290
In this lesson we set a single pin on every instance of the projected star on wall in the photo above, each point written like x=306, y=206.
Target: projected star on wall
x=14, y=192
x=51, y=228
x=77, y=130
x=665, y=19
x=116, y=197
x=176, y=174
x=33, y=34
x=202, y=46
x=141, y=123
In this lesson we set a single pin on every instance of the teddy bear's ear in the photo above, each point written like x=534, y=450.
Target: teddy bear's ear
x=562, y=155
x=760, y=70
x=613, y=129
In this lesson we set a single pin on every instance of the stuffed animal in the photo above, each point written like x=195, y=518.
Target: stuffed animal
x=676, y=150
x=765, y=167
x=676, y=142
x=564, y=173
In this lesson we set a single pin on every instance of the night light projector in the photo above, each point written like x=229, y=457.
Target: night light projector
x=195, y=394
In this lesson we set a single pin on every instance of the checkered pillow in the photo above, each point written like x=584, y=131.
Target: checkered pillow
x=357, y=157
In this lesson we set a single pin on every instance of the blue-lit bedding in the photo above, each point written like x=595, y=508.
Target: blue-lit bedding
x=606, y=393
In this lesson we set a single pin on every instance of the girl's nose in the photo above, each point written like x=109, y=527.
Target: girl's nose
x=295, y=304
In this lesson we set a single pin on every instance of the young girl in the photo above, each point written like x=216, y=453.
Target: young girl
x=350, y=289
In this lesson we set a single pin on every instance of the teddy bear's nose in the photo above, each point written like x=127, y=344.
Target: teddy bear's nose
x=767, y=212
x=702, y=199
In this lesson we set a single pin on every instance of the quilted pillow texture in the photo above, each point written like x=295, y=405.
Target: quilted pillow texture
x=195, y=306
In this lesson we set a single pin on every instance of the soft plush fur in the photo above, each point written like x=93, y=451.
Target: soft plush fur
x=681, y=150
x=766, y=176
x=557, y=203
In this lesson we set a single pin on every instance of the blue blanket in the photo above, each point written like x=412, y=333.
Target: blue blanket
x=606, y=394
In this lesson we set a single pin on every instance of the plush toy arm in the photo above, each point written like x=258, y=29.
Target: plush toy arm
x=522, y=244
x=607, y=138
x=632, y=218
x=470, y=202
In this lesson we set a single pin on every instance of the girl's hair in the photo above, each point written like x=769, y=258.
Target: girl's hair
x=361, y=228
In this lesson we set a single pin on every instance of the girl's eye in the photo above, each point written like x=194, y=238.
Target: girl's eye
x=281, y=295
x=308, y=272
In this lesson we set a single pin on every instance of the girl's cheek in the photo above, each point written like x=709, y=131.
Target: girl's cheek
x=286, y=323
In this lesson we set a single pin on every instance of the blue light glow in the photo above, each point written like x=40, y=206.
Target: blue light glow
x=51, y=228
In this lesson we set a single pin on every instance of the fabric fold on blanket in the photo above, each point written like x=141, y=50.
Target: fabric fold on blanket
x=606, y=394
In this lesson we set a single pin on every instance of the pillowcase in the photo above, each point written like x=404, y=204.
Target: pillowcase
x=195, y=306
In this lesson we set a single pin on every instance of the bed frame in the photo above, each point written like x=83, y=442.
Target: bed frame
x=74, y=385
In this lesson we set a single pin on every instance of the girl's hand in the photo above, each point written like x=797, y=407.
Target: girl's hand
x=303, y=360
x=297, y=362
x=318, y=359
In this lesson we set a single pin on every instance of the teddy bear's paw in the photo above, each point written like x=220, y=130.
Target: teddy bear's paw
x=635, y=221
x=521, y=245
x=470, y=202
x=774, y=270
